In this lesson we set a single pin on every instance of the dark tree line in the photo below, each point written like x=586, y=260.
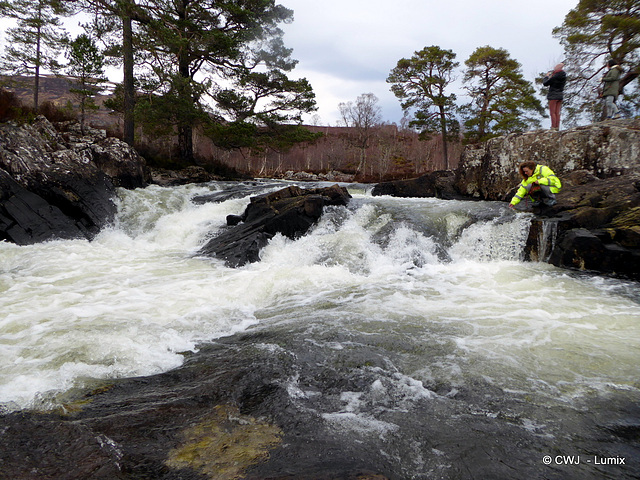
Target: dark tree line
x=221, y=67
x=502, y=100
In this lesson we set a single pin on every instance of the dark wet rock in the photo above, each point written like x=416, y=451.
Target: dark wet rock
x=48, y=443
x=439, y=184
x=233, y=191
x=270, y=404
x=191, y=174
x=596, y=223
x=77, y=210
x=58, y=185
x=290, y=211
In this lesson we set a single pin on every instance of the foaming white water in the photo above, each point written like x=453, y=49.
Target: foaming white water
x=130, y=301
x=480, y=311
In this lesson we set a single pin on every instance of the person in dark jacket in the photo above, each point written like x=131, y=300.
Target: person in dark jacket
x=555, y=80
x=611, y=89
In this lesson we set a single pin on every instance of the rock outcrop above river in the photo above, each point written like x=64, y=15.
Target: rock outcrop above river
x=61, y=184
x=596, y=223
x=290, y=212
x=594, y=226
x=606, y=149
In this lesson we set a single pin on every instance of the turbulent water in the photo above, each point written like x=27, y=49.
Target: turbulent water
x=440, y=284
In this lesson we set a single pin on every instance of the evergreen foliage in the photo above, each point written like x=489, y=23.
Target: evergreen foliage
x=86, y=65
x=221, y=67
x=220, y=62
x=420, y=83
x=502, y=100
x=36, y=40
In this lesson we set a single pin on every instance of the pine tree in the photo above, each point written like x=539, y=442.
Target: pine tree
x=502, y=100
x=238, y=47
x=420, y=82
x=37, y=40
x=86, y=65
x=114, y=23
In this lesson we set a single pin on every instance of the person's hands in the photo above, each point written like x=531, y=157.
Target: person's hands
x=512, y=206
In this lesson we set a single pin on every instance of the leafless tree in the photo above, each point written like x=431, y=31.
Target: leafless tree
x=364, y=117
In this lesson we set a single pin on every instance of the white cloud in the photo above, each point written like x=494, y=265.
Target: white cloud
x=348, y=47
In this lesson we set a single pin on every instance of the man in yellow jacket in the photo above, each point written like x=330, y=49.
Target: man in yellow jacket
x=539, y=183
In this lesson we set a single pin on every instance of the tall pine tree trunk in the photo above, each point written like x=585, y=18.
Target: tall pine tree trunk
x=128, y=81
x=185, y=127
x=443, y=130
x=36, y=81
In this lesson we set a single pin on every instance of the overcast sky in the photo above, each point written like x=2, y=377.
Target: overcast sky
x=348, y=47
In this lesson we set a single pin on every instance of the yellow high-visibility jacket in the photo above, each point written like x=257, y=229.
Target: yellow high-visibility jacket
x=544, y=175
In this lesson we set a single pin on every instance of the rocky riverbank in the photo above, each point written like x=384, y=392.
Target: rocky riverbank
x=596, y=222
x=56, y=183
x=312, y=393
x=59, y=183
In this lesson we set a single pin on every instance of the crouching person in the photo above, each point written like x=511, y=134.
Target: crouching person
x=539, y=185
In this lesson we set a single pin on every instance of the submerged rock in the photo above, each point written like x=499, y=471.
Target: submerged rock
x=290, y=211
x=283, y=404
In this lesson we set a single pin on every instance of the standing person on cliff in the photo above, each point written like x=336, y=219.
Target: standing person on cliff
x=611, y=89
x=555, y=80
x=539, y=184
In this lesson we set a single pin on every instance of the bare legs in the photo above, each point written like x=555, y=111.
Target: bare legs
x=554, y=111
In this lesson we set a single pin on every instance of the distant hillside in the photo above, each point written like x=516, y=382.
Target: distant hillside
x=56, y=90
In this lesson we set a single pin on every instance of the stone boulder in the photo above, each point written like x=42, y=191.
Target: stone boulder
x=112, y=156
x=439, y=184
x=290, y=211
x=596, y=225
x=56, y=185
x=605, y=149
x=190, y=174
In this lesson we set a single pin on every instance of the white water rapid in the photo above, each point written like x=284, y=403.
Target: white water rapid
x=447, y=273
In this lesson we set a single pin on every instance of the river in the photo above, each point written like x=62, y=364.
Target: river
x=404, y=307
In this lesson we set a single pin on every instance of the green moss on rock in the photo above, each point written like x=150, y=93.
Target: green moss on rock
x=225, y=444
